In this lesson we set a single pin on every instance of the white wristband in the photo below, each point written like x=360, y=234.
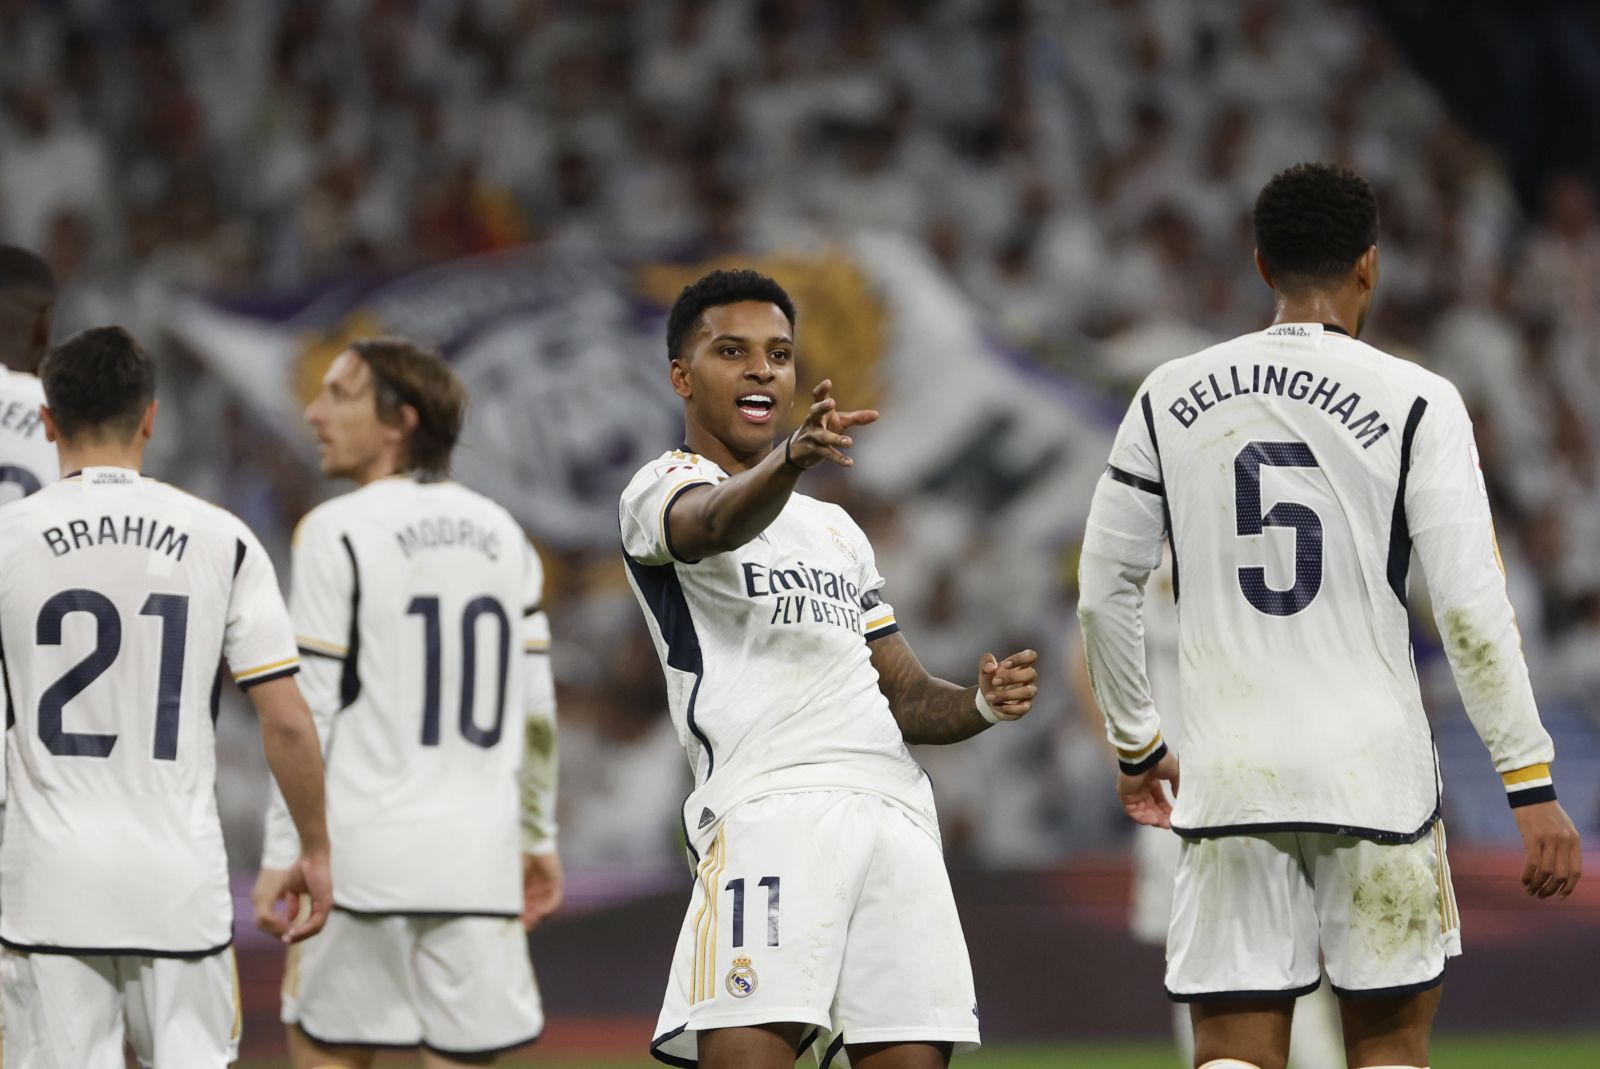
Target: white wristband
x=985, y=711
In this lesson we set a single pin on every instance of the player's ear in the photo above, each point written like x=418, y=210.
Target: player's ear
x=1261, y=269
x=409, y=419
x=680, y=378
x=49, y=422
x=147, y=425
x=1367, y=269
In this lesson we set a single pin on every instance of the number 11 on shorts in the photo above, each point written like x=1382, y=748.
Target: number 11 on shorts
x=737, y=887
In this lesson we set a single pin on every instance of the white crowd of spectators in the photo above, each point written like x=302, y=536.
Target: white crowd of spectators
x=1083, y=168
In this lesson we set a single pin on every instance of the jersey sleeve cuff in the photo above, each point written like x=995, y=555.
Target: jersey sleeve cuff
x=1529, y=786
x=1134, y=762
x=316, y=647
x=262, y=673
x=882, y=627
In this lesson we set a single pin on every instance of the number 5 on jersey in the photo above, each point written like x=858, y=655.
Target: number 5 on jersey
x=1301, y=519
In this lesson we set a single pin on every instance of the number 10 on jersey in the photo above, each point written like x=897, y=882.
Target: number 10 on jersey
x=432, y=639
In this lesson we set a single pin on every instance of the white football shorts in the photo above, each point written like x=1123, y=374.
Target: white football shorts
x=1252, y=911
x=459, y=986
x=1155, y=871
x=66, y=1011
x=828, y=908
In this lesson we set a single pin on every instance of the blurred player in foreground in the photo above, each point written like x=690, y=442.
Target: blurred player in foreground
x=27, y=308
x=120, y=597
x=822, y=905
x=27, y=459
x=417, y=604
x=1295, y=470
x=1314, y=1042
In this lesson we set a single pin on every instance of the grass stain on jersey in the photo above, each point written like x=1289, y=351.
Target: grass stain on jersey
x=1471, y=653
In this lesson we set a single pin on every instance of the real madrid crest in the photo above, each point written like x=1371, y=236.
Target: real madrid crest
x=741, y=979
x=842, y=545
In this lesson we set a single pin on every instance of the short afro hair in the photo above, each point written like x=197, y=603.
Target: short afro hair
x=1313, y=222
x=717, y=289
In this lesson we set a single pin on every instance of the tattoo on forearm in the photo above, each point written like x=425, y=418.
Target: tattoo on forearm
x=928, y=710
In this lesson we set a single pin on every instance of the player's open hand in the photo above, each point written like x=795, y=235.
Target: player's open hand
x=541, y=887
x=1553, y=855
x=1142, y=796
x=1009, y=686
x=825, y=433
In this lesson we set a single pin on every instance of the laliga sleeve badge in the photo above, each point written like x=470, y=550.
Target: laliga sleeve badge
x=741, y=979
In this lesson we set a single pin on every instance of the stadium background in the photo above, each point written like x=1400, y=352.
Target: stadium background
x=995, y=216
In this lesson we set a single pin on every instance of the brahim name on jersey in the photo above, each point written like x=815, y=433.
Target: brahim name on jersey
x=144, y=531
x=1285, y=382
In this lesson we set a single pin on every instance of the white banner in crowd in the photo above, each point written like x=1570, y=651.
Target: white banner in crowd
x=566, y=363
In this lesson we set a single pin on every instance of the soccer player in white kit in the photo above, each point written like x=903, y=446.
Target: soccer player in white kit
x=27, y=458
x=27, y=309
x=1295, y=470
x=417, y=603
x=821, y=904
x=121, y=599
x=1315, y=1042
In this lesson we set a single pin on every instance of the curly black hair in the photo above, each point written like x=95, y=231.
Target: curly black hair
x=716, y=289
x=1313, y=222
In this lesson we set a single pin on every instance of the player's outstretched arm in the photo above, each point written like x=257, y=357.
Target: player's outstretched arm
x=931, y=710
x=289, y=737
x=716, y=519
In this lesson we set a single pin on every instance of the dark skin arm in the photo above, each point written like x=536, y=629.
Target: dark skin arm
x=708, y=520
x=931, y=710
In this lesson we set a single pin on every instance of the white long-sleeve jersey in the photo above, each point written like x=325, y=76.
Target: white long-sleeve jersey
x=417, y=606
x=1295, y=470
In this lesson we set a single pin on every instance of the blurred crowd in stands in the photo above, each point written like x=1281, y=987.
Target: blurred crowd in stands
x=1084, y=169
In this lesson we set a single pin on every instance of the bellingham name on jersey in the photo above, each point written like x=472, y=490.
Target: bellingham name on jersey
x=1283, y=382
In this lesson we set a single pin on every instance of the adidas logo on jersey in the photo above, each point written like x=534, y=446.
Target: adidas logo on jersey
x=706, y=819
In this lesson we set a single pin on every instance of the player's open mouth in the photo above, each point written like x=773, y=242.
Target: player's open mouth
x=757, y=407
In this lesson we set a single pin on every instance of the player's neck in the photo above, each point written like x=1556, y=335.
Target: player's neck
x=381, y=468
x=1330, y=309
x=699, y=440
x=78, y=457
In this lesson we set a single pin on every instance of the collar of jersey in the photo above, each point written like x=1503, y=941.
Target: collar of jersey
x=79, y=474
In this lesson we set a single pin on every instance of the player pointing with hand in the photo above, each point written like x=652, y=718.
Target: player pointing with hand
x=821, y=903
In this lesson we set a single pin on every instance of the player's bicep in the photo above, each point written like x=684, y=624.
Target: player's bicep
x=259, y=642
x=656, y=527
x=1444, y=483
x=539, y=689
x=322, y=582
x=1126, y=523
